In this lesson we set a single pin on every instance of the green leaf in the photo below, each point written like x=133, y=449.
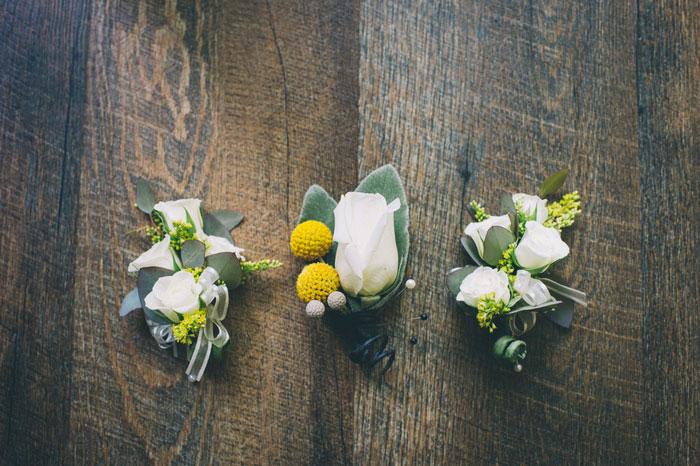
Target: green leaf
x=548, y=305
x=148, y=276
x=131, y=301
x=319, y=206
x=560, y=290
x=454, y=279
x=386, y=181
x=156, y=316
x=192, y=254
x=145, y=199
x=228, y=266
x=497, y=240
x=507, y=204
x=213, y=227
x=472, y=250
x=456, y=276
x=553, y=183
x=563, y=314
x=228, y=218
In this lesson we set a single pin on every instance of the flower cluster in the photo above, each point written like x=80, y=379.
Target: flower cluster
x=356, y=250
x=511, y=251
x=185, y=277
x=365, y=264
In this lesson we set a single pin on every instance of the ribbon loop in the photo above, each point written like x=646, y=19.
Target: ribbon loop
x=217, y=300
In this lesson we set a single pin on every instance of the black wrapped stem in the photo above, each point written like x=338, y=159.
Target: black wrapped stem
x=368, y=346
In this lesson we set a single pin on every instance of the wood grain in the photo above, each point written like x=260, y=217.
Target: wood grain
x=245, y=104
x=668, y=76
x=41, y=101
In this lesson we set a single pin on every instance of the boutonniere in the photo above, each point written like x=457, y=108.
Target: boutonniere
x=510, y=282
x=184, y=279
x=356, y=251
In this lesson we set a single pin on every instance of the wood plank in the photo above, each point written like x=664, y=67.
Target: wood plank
x=243, y=105
x=469, y=100
x=41, y=100
x=668, y=75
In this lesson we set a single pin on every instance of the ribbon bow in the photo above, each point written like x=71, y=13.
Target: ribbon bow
x=216, y=299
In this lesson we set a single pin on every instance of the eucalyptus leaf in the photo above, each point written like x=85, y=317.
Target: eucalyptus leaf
x=131, y=301
x=319, y=206
x=563, y=314
x=228, y=266
x=386, y=181
x=230, y=219
x=553, y=183
x=472, y=250
x=192, y=254
x=145, y=198
x=156, y=316
x=213, y=227
x=507, y=204
x=497, y=240
x=147, y=277
x=560, y=290
x=457, y=276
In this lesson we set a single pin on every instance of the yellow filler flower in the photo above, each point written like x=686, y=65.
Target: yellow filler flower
x=311, y=240
x=317, y=281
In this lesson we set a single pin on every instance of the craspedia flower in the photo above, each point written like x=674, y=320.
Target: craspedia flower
x=317, y=281
x=311, y=240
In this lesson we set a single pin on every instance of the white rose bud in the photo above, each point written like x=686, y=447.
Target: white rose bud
x=367, y=260
x=539, y=248
x=217, y=244
x=176, y=211
x=477, y=230
x=533, y=207
x=481, y=282
x=176, y=293
x=160, y=255
x=533, y=291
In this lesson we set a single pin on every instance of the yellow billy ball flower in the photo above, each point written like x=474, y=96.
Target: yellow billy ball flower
x=311, y=240
x=317, y=281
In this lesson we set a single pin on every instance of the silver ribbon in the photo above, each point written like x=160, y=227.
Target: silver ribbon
x=162, y=333
x=522, y=322
x=216, y=299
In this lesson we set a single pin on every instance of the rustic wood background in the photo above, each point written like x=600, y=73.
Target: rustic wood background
x=245, y=104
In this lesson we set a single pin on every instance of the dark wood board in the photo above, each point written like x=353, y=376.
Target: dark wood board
x=244, y=105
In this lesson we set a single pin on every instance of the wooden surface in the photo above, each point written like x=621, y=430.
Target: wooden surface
x=245, y=104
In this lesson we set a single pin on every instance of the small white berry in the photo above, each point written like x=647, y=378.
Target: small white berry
x=410, y=283
x=315, y=308
x=518, y=367
x=336, y=300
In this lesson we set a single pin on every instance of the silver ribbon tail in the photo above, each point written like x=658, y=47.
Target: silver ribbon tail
x=217, y=300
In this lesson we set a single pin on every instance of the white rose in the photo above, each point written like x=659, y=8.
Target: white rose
x=533, y=207
x=367, y=259
x=539, y=247
x=176, y=211
x=483, y=281
x=217, y=244
x=533, y=291
x=477, y=230
x=176, y=293
x=160, y=255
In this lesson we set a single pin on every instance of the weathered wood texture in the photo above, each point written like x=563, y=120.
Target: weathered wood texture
x=245, y=104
